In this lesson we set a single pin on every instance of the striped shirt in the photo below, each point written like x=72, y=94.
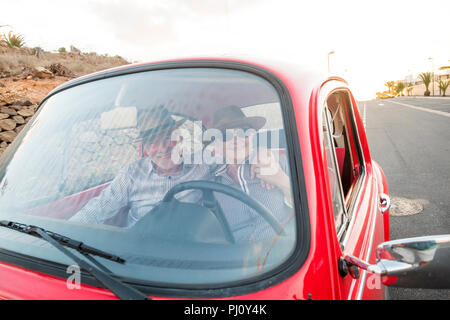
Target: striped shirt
x=140, y=188
x=245, y=223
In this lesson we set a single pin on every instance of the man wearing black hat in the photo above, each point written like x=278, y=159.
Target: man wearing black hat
x=255, y=171
x=141, y=185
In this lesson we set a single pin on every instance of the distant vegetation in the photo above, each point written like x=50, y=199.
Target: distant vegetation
x=426, y=78
x=394, y=89
x=443, y=85
x=409, y=88
x=13, y=40
x=399, y=88
x=390, y=85
x=16, y=58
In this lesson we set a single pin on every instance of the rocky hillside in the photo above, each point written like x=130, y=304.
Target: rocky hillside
x=27, y=75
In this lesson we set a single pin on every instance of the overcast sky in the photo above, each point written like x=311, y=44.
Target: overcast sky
x=374, y=41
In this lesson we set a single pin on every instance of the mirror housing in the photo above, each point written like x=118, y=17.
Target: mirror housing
x=422, y=262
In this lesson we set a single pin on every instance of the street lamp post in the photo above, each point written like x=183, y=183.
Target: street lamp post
x=329, y=53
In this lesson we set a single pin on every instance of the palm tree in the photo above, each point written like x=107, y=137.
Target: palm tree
x=13, y=40
x=443, y=85
x=426, y=78
x=390, y=85
x=399, y=88
x=409, y=88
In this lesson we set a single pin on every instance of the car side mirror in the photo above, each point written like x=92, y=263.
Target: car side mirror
x=422, y=262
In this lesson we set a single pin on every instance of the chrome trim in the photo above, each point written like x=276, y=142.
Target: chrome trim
x=353, y=216
x=369, y=251
x=389, y=266
x=334, y=78
x=348, y=213
x=342, y=228
x=440, y=239
x=336, y=168
x=362, y=177
x=367, y=258
x=352, y=287
x=414, y=262
x=385, y=203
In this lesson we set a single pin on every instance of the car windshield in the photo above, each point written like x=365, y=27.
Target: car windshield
x=184, y=173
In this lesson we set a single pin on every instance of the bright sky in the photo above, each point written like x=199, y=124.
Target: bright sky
x=374, y=41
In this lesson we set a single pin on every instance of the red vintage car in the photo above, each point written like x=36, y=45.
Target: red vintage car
x=202, y=178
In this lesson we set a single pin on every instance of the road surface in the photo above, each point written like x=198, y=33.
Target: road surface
x=410, y=139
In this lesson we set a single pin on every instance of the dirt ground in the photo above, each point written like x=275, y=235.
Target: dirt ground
x=13, y=89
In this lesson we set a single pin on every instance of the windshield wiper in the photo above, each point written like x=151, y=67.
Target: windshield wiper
x=65, y=241
x=120, y=289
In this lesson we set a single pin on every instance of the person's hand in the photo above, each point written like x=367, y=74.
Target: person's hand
x=269, y=172
x=267, y=169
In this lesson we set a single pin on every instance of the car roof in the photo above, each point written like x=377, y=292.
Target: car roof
x=298, y=78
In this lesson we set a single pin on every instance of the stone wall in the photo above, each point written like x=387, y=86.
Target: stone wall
x=13, y=118
x=95, y=156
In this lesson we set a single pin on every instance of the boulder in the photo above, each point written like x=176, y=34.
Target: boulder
x=16, y=107
x=22, y=103
x=7, y=98
x=7, y=124
x=42, y=73
x=59, y=70
x=18, y=119
x=25, y=112
x=4, y=116
x=19, y=128
x=9, y=111
x=75, y=50
x=8, y=136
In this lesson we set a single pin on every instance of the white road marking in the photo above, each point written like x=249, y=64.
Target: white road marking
x=441, y=113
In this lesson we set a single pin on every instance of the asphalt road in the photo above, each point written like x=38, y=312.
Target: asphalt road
x=413, y=148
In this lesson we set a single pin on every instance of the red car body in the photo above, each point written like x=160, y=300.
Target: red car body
x=319, y=276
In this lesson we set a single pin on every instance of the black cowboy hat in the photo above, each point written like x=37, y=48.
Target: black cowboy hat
x=232, y=117
x=156, y=122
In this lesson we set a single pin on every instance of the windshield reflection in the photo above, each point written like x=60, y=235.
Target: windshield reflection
x=99, y=159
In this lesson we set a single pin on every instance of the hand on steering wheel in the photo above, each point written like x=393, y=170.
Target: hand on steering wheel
x=210, y=202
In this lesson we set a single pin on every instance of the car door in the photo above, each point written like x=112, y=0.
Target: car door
x=353, y=192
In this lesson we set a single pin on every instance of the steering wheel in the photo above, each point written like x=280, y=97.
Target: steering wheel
x=209, y=201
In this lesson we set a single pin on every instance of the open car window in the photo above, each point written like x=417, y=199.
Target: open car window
x=344, y=157
x=183, y=172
